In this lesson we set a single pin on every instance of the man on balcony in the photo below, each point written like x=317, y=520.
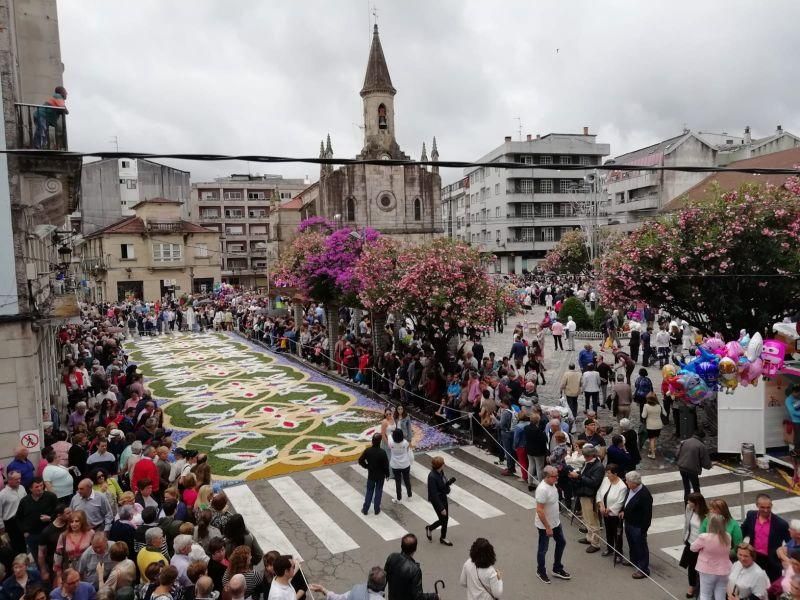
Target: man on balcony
x=47, y=116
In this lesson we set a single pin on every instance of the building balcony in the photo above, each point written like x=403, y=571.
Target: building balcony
x=211, y=218
x=528, y=244
x=165, y=226
x=235, y=217
x=623, y=181
x=210, y=199
x=41, y=127
x=534, y=173
x=649, y=202
x=94, y=264
x=234, y=236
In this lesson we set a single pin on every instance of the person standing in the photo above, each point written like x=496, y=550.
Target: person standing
x=610, y=498
x=606, y=375
x=438, y=489
x=571, y=388
x=557, y=328
x=400, y=463
x=634, y=341
x=646, y=350
x=651, y=415
x=403, y=573
x=506, y=435
x=478, y=575
x=569, y=329
x=692, y=458
x=35, y=511
x=696, y=512
x=767, y=532
x=637, y=513
x=586, y=484
x=536, y=447
x=94, y=504
x=590, y=382
x=375, y=461
x=548, y=523
x=46, y=116
x=662, y=346
x=10, y=497
x=713, y=559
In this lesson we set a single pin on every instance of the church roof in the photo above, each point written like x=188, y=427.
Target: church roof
x=377, y=78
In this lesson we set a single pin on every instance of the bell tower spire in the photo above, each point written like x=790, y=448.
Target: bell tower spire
x=377, y=96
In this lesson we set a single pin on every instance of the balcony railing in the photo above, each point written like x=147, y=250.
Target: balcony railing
x=41, y=127
x=165, y=226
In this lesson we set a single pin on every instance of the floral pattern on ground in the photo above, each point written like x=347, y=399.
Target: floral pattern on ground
x=257, y=414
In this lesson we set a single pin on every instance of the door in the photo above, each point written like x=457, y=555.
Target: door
x=130, y=290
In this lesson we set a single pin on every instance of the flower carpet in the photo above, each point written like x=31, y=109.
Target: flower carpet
x=257, y=414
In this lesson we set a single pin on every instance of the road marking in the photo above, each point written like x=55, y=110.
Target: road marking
x=675, y=522
x=480, y=453
x=354, y=500
x=712, y=491
x=487, y=481
x=259, y=523
x=416, y=504
x=459, y=495
x=329, y=533
x=676, y=476
x=674, y=551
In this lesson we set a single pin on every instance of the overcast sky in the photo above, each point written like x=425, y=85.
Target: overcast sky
x=269, y=77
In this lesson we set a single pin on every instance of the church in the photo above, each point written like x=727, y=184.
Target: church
x=401, y=201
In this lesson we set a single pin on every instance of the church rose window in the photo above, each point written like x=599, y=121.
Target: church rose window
x=386, y=202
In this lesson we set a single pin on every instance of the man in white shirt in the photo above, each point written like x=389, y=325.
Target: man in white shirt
x=10, y=497
x=285, y=568
x=548, y=522
x=569, y=329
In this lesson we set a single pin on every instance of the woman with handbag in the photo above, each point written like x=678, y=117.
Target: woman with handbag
x=479, y=576
x=696, y=512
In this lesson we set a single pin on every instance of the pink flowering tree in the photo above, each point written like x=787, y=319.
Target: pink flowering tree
x=728, y=262
x=377, y=272
x=569, y=256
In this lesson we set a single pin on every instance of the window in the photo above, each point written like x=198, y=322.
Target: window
x=496, y=189
x=497, y=212
x=256, y=196
x=125, y=164
x=585, y=160
x=527, y=159
x=547, y=210
x=126, y=252
x=131, y=184
x=547, y=234
x=235, y=230
x=286, y=195
x=382, y=117
x=563, y=185
x=235, y=248
x=208, y=196
x=546, y=186
x=417, y=210
x=545, y=159
x=257, y=213
x=234, y=213
x=350, y=209
x=209, y=214
x=526, y=186
x=497, y=236
x=386, y=202
x=201, y=250
x=167, y=252
x=565, y=160
x=526, y=210
x=258, y=230
x=232, y=195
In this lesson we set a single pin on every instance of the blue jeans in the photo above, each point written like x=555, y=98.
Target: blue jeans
x=544, y=544
x=374, y=495
x=507, y=439
x=637, y=542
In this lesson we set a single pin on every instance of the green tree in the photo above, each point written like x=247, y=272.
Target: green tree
x=569, y=256
x=728, y=262
x=574, y=308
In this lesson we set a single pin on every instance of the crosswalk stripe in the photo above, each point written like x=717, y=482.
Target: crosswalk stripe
x=481, y=454
x=675, y=522
x=415, y=504
x=459, y=495
x=329, y=533
x=713, y=491
x=671, y=476
x=487, y=481
x=674, y=551
x=380, y=523
x=267, y=533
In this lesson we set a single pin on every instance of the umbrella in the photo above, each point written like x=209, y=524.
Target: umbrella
x=201, y=302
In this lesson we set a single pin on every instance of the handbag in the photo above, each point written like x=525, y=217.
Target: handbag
x=483, y=585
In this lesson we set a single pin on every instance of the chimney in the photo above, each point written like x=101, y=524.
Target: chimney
x=747, y=137
x=585, y=131
x=528, y=137
x=538, y=136
x=779, y=130
x=508, y=138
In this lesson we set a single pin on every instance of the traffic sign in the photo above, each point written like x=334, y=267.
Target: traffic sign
x=30, y=440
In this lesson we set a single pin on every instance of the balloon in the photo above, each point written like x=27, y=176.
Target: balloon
x=756, y=368
x=706, y=353
x=728, y=374
x=715, y=346
x=668, y=371
x=754, y=347
x=772, y=357
x=677, y=387
x=733, y=350
x=744, y=339
x=696, y=389
x=708, y=371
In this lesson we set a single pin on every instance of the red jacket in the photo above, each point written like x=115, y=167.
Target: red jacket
x=144, y=469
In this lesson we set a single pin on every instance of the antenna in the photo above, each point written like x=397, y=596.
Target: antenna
x=519, y=123
x=375, y=13
x=114, y=140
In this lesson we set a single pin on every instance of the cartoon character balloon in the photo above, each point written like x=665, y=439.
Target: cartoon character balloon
x=728, y=375
x=696, y=389
x=772, y=355
x=708, y=371
x=715, y=345
x=754, y=347
x=733, y=350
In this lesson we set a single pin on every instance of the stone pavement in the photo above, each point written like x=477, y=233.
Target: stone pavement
x=557, y=362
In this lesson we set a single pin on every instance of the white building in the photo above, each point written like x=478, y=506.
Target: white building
x=633, y=196
x=520, y=214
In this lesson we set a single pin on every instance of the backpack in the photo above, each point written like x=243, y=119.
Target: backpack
x=643, y=387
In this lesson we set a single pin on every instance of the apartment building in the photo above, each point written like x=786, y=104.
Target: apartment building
x=110, y=188
x=634, y=196
x=520, y=214
x=238, y=207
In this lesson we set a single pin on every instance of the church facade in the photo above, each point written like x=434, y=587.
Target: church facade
x=401, y=201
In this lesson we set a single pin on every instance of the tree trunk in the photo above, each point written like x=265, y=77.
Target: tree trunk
x=332, y=324
x=378, y=333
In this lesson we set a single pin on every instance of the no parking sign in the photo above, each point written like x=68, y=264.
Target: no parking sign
x=30, y=440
